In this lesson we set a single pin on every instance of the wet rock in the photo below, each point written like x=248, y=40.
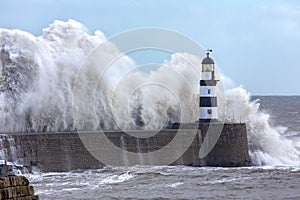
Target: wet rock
x=9, y=169
x=16, y=187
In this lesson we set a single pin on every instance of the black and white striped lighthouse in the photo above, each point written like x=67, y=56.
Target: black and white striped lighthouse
x=208, y=96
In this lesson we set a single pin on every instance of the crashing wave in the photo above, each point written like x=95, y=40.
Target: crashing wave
x=37, y=79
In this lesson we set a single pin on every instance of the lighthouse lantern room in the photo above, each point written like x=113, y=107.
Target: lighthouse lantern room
x=208, y=95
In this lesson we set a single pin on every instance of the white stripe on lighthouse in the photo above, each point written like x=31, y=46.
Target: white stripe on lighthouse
x=205, y=114
x=208, y=91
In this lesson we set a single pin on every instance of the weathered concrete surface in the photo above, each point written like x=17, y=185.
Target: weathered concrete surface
x=65, y=151
x=54, y=151
x=231, y=150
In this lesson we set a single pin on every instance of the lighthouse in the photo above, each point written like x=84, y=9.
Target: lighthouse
x=208, y=96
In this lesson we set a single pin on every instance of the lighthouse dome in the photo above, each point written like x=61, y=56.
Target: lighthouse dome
x=208, y=60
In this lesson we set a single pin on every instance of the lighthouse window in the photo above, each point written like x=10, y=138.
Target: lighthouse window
x=208, y=91
x=207, y=67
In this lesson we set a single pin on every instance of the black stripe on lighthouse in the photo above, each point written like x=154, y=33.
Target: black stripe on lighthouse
x=208, y=82
x=208, y=102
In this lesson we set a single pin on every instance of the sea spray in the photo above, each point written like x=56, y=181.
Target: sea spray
x=38, y=74
x=8, y=149
x=268, y=145
x=37, y=79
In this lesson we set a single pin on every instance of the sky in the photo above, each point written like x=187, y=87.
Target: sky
x=256, y=43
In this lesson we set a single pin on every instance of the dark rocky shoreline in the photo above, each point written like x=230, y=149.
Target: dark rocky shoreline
x=14, y=187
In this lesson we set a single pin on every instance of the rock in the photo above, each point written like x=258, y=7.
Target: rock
x=9, y=169
x=16, y=187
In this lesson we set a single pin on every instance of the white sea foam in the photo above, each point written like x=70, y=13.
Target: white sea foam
x=268, y=145
x=36, y=91
x=117, y=178
x=174, y=185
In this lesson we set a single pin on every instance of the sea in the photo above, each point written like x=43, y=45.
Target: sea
x=264, y=181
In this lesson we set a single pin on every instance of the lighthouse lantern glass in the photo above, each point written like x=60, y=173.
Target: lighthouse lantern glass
x=207, y=67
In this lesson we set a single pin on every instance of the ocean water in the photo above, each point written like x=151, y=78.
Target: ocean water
x=278, y=181
x=170, y=182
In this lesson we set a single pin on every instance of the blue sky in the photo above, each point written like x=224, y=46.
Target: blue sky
x=256, y=43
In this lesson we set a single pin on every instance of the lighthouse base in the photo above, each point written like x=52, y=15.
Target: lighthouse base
x=208, y=121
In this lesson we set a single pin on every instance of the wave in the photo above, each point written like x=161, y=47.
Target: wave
x=269, y=145
x=38, y=74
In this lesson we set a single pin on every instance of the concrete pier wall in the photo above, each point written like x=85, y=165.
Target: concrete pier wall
x=66, y=151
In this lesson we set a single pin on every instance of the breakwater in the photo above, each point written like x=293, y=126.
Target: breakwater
x=65, y=151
